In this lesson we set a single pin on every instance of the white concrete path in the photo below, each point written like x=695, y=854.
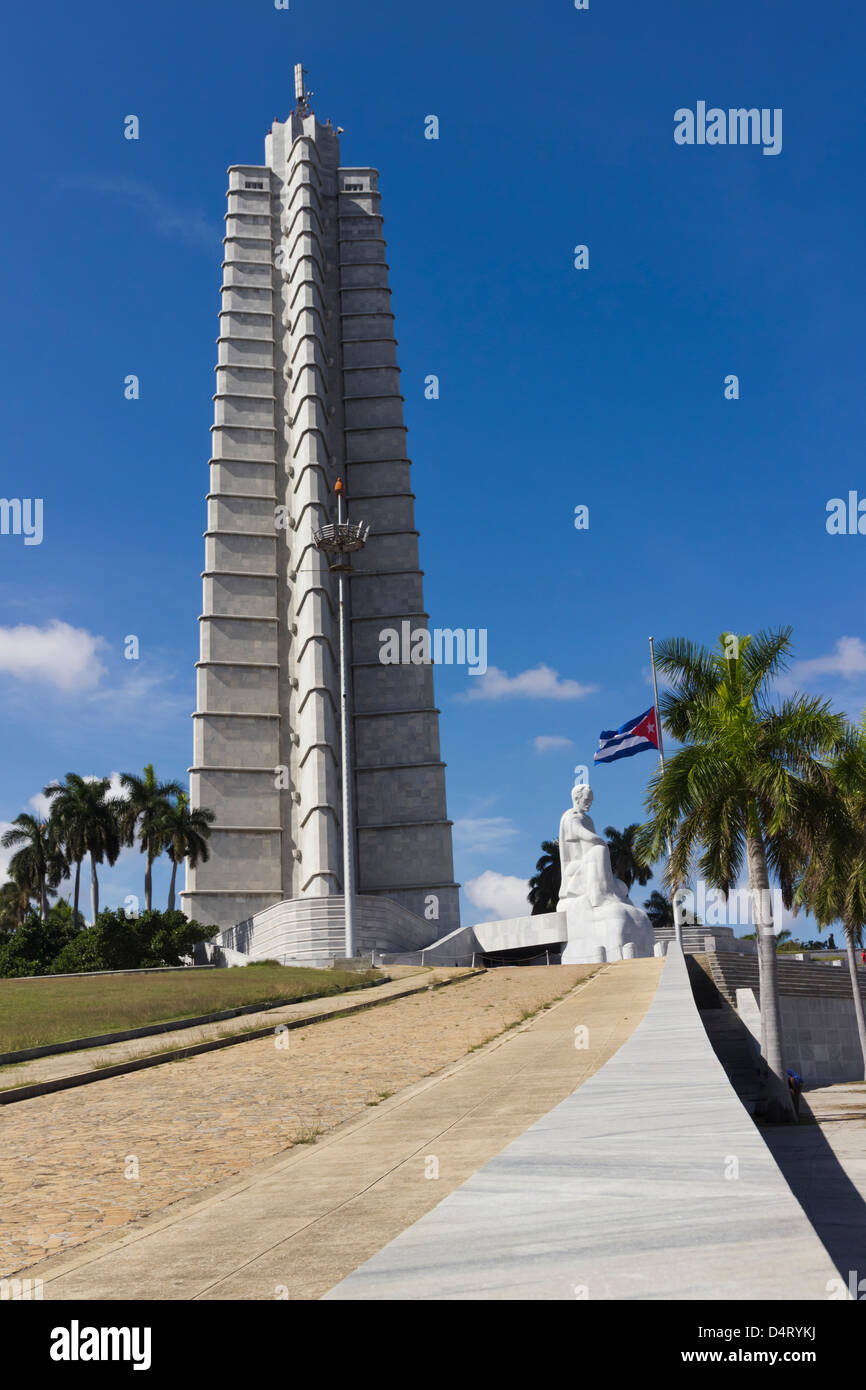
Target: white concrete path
x=649, y=1182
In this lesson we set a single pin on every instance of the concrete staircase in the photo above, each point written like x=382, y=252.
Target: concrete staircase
x=731, y=972
x=695, y=939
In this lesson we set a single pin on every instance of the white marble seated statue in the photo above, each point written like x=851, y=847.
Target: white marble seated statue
x=602, y=919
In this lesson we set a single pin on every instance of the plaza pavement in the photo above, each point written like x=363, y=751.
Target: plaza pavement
x=296, y=1225
x=825, y=1164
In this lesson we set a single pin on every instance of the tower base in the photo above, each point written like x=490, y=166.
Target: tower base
x=311, y=931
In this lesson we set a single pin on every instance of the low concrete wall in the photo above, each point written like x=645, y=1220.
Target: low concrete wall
x=545, y=929
x=649, y=1182
x=311, y=931
x=819, y=1025
x=819, y=1035
x=543, y=932
x=459, y=947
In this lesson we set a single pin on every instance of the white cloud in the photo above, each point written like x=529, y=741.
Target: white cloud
x=116, y=791
x=145, y=696
x=502, y=895
x=541, y=683
x=57, y=654
x=482, y=835
x=40, y=805
x=61, y=663
x=177, y=223
x=547, y=743
x=847, y=659
x=5, y=854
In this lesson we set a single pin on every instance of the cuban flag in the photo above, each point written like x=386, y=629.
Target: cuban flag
x=637, y=735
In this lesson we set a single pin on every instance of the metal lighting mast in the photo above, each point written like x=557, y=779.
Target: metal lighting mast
x=338, y=542
x=302, y=96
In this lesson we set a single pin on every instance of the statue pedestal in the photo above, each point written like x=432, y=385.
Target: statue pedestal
x=612, y=931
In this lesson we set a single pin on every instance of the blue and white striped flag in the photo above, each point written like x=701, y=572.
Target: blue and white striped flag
x=637, y=735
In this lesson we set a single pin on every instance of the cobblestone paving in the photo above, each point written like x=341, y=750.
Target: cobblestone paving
x=177, y=1129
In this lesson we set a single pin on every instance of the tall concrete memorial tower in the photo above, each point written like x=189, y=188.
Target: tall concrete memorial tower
x=308, y=390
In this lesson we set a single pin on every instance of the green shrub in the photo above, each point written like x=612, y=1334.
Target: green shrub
x=119, y=942
x=31, y=948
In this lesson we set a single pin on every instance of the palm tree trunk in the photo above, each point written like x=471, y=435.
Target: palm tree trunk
x=171, y=885
x=858, y=999
x=94, y=889
x=76, y=892
x=771, y=1018
x=43, y=898
x=148, y=884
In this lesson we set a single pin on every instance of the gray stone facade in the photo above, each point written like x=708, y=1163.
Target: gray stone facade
x=308, y=389
x=819, y=1033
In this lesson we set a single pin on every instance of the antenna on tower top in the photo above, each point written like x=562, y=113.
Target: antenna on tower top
x=302, y=96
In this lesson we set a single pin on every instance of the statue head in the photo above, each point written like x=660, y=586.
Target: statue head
x=581, y=796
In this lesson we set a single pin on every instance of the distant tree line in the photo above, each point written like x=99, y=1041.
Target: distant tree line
x=86, y=823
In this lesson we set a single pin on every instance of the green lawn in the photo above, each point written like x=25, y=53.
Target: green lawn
x=34, y=1013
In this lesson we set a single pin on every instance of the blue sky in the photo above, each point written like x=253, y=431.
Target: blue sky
x=558, y=387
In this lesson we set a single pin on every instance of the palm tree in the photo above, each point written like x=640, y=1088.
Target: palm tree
x=185, y=836
x=39, y=865
x=833, y=884
x=78, y=806
x=626, y=860
x=750, y=780
x=143, y=811
x=545, y=883
x=660, y=911
x=14, y=903
x=100, y=835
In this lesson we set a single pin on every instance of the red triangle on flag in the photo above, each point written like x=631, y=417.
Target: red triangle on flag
x=647, y=729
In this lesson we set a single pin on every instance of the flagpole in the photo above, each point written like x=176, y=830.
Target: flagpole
x=678, y=934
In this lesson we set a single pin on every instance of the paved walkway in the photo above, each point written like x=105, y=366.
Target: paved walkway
x=293, y=1227
x=650, y=1182
x=825, y=1164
